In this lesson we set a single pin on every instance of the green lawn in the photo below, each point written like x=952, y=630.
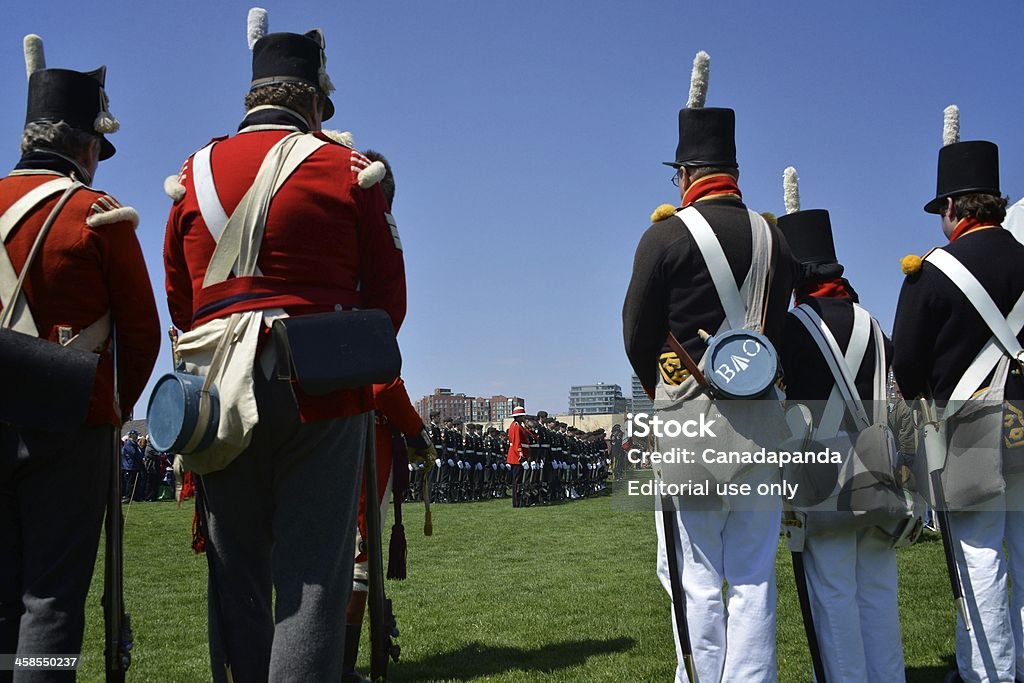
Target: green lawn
x=566, y=593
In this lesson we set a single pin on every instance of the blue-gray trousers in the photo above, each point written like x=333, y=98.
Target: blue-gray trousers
x=281, y=523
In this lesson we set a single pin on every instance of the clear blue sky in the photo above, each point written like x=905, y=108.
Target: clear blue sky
x=527, y=138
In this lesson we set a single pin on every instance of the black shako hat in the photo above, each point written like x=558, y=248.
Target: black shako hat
x=707, y=137
x=965, y=168
x=292, y=58
x=78, y=99
x=809, y=235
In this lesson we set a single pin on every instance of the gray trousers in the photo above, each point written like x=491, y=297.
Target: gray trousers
x=281, y=521
x=53, y=493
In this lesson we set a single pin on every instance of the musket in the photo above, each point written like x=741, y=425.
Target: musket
x=800, y=422
x=117, y=622
x=794, y=527
x=678, y=596
x=428, y=519
x=382, y=621
x=935, y=451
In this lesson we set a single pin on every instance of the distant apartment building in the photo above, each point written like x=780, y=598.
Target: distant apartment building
x=481, y=410
x=458, y=407
x=501, y=406
x=596, y=399
x=639, y=402
x=462, y=408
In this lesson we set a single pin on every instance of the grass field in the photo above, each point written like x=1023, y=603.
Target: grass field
x=566, y=593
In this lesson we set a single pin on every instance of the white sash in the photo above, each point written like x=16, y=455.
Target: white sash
x=743, y=306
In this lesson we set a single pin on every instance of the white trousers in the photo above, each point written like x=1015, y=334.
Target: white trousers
x=732, y=636
x=993, y=650
x=851, y=580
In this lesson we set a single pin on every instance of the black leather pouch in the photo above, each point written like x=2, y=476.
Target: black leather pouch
x=43, y=385
x=327, y=352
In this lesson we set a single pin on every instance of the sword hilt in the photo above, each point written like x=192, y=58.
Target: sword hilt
x=172, y=333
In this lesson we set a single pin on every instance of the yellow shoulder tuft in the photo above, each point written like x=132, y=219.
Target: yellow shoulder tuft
x=662, y=212
x=911, y=264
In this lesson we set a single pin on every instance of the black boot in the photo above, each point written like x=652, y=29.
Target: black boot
x=349, y=673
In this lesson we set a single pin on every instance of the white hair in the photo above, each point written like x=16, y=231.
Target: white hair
x=57, y=137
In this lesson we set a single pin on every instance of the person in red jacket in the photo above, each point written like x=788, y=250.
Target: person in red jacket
x=399, y=426
x=518, y=438
x=282, y=516
x=87, y=280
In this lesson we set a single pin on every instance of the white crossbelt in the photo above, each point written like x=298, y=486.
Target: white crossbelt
x=844, y=373
x=22, y=319
x=206, y=193
x=1004, y=330
x=244, y=232
x=225, y=348
x=17, y=313
x=736, y=302
x=244, y=241
x=834, y=408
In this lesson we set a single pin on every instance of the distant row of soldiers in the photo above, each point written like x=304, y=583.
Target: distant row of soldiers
x=551, y=462
x=558, y=463
x=565, y=462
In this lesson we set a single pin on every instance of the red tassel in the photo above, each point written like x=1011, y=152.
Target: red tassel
x=198, y=540
x=188, y=487
x=397, y=553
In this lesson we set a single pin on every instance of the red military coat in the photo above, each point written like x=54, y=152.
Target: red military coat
x=395, y=411
x=91, y=262
x=518, y=438
x=327, y=244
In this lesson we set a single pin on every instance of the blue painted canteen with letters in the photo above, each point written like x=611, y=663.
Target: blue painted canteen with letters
x=740, y=364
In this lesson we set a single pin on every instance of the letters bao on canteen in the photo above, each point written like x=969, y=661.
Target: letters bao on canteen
x=642, y=424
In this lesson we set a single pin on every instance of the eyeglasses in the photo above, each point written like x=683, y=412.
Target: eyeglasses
x=675, y=177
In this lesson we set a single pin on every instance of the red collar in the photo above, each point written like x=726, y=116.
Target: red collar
x=835, y=288
x=966, y=225
x=712, y=186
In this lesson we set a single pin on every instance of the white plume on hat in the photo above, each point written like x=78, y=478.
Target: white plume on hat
x=791, y=190
x=950, y=125
x=35, y=58
x=256, y=25
x=699, y=80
